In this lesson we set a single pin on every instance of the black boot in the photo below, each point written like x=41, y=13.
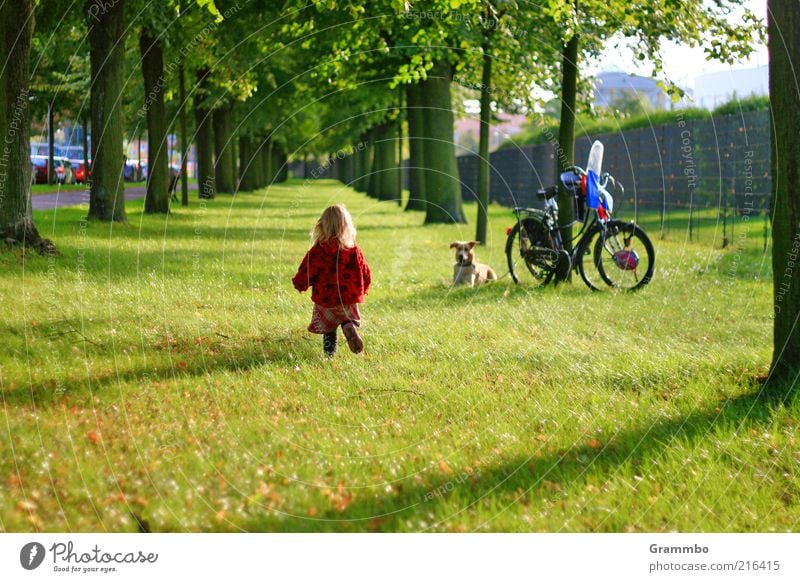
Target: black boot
x=329, y=343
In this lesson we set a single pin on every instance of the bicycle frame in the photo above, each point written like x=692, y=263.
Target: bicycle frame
x=602, y=243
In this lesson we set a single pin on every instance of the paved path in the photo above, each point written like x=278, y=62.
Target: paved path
x=76, y=197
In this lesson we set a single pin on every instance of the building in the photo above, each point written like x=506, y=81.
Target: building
x=611, y=86
x=714, y=89
x=467, y=132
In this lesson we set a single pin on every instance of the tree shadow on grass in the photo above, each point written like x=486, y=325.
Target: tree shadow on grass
x=540, y=473
x=445, y=294
x=203, y=359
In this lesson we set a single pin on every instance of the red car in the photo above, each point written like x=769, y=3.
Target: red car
x=79, y=170
x=64, y=173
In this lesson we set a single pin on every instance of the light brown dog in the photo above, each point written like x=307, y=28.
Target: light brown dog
x=466, y=271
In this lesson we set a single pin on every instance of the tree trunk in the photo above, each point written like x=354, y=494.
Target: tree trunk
x=157, y=197
x=365, y=162
x=378, y=159
x=350, y=168
x=784, y=54
x=249, y=179
x=399, y=172
x=357, y=165
x=416, y=158
x=257, y=162
x=269, y=163
x=442, y=185
x=233, y=146
x=278, y=162
x=386, y=150
x=222, y=149
x=107, y=57
x=565, y=153
x=51, y=144
x=184, y=137
x=16, y=220
x=484, y=167
x=204, y=141
x=85, y=123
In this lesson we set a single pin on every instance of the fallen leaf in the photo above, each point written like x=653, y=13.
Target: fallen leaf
x=340, y=503
x=26, y=505
x=444, y=467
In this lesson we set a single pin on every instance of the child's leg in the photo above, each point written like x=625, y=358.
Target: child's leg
x=329, y=342
x=354, y=341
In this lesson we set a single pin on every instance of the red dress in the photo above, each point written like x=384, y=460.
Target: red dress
x=339, y=278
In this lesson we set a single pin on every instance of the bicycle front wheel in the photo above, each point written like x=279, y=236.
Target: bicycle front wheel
x=531, y=253
x=622, y=257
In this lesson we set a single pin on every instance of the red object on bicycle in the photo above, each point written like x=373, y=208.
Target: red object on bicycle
x=583, y=185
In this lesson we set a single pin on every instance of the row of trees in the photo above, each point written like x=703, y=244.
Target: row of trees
x=302, y=77
x=267, y=80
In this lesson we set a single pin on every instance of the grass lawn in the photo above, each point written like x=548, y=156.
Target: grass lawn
x=51, y=188
x=160, y=371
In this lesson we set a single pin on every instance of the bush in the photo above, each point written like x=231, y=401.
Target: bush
x=586, y=125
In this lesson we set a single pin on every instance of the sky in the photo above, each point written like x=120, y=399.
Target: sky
x=682, y=64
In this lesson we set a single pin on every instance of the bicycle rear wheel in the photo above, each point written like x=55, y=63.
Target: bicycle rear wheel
x=622, y=257
x=531, y=253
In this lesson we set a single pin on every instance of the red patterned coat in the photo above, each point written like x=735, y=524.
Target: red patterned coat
x=337, y=276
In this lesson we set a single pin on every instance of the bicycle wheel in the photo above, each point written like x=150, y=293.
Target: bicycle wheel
x=622, y=257
x=531, y=253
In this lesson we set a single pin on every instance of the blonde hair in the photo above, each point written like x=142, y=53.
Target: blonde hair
x=335, y=224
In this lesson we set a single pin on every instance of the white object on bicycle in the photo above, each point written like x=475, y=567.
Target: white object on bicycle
x=595, y=162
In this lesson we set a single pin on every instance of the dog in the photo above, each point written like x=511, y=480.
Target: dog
x=466, y=271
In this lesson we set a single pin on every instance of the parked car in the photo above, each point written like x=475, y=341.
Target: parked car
x=135, y=171
x=63, y=170
x=79, y=170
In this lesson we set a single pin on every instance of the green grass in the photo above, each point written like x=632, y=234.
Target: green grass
x=51, y=188
x=161, y=369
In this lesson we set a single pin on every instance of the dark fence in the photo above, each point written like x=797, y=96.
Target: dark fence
x=703, y=163
x=721, y=162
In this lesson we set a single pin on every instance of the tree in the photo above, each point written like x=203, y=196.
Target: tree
x=565, y=152
x=416, y=155
x=402, y=50
x=16, y=219
x=224, y=163
x=784, y=54
x=442, y=186
x=590, y=23
x=204, y=139
x=106, y=49
x=157, y=197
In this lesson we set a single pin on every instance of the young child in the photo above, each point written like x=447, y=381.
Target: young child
x=338, y=273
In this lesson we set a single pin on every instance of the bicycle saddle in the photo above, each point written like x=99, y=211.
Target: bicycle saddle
x=547, y=193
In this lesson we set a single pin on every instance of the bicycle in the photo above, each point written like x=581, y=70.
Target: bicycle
x=622, y=255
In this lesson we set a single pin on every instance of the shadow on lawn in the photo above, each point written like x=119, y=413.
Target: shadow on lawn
x=197, y=360
x=544, y=475
x=500, y=291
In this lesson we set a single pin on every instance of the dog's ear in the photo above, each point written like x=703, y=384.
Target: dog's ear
x=453, y=245
x=473, y=243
